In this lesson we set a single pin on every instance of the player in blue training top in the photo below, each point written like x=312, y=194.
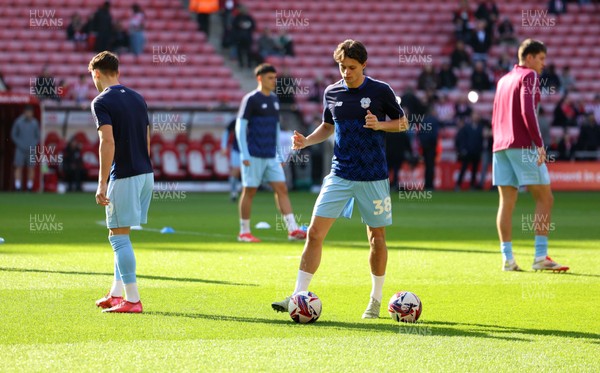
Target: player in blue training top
x=257, y=132
x=126, y=179
x=355, y=109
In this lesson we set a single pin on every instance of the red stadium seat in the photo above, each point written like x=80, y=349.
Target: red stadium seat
x=198, y=168
x=170, y=165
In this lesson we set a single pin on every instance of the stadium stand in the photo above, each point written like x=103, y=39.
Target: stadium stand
x=172, y=40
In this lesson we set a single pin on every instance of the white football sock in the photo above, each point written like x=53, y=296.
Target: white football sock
x=117, y=289
x=29, y=184
x=17, y=184
x=302, y=281
x=290, y=222
x=377, y=289
x=244, y=226
x=131, y=292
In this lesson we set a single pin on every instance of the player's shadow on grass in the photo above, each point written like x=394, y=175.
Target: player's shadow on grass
x=409, y=248
x=148, y=277
x=595, y=338
x=389, y=327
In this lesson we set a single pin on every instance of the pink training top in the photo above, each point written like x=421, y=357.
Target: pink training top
x=514, y=119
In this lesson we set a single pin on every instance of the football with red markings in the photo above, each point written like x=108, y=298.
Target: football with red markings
x=305, y=307
x=405, y=306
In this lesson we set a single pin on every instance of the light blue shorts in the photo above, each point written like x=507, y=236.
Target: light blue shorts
x=234, y=159
x=338, y=195
x=129, y=201
x=515, y=167
x=262, y=170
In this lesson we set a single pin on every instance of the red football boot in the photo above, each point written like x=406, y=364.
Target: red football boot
x=108, y=301
x=126, y=307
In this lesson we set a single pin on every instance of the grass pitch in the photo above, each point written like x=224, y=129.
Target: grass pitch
x=207, y=297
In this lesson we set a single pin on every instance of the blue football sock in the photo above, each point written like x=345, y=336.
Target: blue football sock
x=117, y=272
x=541, y=246
x=124, y=257
x=232, y=184
x=506, y=249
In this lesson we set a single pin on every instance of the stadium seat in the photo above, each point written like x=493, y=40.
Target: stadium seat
x=170, y=165
x=198, y=168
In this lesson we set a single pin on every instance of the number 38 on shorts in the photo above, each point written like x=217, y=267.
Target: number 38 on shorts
x=382, y=206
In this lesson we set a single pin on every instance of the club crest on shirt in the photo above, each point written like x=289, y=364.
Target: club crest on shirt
x=276, y=104
x=365, y=102
x=264, y=105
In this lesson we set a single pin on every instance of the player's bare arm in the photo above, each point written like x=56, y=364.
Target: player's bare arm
x=395, y=125
x=299, y=141
x=107, y=153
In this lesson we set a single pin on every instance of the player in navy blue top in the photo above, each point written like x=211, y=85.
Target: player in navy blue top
x=355, y=110
x=257, y=132
x=125, y=179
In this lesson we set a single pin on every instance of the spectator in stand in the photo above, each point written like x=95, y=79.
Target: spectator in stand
x=77, y=32
x=427, y=79
x=73, y=168
x=506, y=32
x=544, y=124
x=317, y=89
x=286, y=43
x=397, y=151
x=480, y=79
x=480, y=41
x=427, y=134
x=557, y=7
x=564, y=147
x=267, y=46
x=412, y=103
x=80, y=91
x=203, y=10
x=317, y=157
x=589, y=139
x=593, y=107
x=45, y=86
x=549, y=79
x=227, y=11
x=25, y=133
x=286, y=88
x=567, y=80
x=102, y=27
x=488, y=11
x=446, y=77
x=503, y=65
x=486, y=152
x=565, y=114
x=136, y=30
x=3, y=86
x=120, y=39
x=243, y=30
x=229, y=146
x=459, y=57
x=463, y=109
x=469, y=146
x=445, y=111
x=463, y=21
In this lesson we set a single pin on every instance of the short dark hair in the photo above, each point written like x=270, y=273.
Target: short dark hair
x=530, y=46
x=352, y=49
x=107, y=62
x=264, y=68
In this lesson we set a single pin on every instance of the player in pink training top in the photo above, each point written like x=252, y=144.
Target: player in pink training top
x=520, y=156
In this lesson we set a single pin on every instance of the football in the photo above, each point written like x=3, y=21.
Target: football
x=304, y=307
x=405, y=306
